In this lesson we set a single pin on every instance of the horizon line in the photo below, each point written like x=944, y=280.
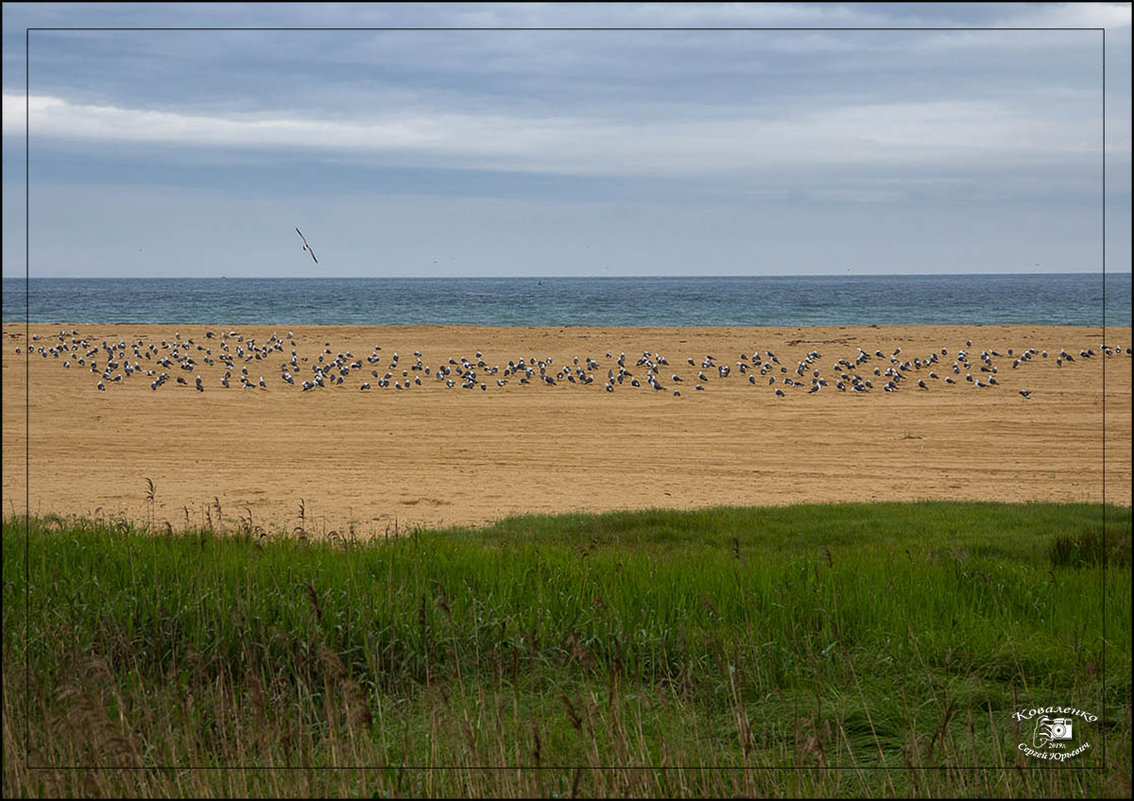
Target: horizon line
x=588, y=276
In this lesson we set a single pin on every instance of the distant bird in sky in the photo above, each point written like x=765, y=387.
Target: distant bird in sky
x=305, y=245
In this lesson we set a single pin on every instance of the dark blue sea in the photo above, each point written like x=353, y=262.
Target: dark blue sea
x=1051, y=299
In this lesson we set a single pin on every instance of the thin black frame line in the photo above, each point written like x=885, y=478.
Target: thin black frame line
x=27, y=287
x=285, y=768
x=1103, y=355
x=27, y=392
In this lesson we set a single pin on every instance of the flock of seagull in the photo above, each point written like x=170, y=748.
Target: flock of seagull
x=182, y=361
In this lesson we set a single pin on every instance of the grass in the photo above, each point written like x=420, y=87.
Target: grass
x=808, y=650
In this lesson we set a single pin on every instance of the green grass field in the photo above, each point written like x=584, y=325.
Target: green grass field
x=842, y=650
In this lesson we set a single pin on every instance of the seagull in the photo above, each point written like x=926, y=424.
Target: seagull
x=305, y=245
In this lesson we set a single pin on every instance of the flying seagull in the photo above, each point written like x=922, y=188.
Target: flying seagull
x=305, y=245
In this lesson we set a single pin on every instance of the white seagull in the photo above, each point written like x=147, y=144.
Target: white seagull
x=305, y=245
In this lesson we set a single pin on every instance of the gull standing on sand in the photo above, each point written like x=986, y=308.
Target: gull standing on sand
x=305, y=245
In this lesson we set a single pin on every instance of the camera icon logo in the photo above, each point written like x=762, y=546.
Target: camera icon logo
x=1061, y=729
x=1051, y=729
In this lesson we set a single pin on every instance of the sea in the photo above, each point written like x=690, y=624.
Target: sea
x=1040, y=299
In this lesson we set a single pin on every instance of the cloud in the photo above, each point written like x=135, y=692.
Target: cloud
x=1112, y=16
x=944, y=133
x=857, y=195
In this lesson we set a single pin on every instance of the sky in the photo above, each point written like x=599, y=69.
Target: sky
x=565, y=139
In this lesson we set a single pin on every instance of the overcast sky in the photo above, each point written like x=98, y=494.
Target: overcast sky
x=566, y=152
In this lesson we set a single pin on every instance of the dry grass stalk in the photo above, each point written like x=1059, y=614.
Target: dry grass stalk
x=151, y=496
x=86, y=719
x=576, y=719
x=301, y=529
x=314, y=598
x=537, y=745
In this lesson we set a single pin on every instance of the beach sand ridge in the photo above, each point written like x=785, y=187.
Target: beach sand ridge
x=431, y=454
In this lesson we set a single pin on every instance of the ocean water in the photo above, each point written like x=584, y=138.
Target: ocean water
x=1051, y=299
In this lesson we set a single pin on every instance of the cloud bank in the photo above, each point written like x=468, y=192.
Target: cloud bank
x=931, y=133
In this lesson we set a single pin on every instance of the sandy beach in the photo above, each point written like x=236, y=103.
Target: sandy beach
x=432, y=454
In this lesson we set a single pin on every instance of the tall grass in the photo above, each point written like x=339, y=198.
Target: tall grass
x=808, y=650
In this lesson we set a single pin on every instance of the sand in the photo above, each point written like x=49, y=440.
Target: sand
x=432, y=455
